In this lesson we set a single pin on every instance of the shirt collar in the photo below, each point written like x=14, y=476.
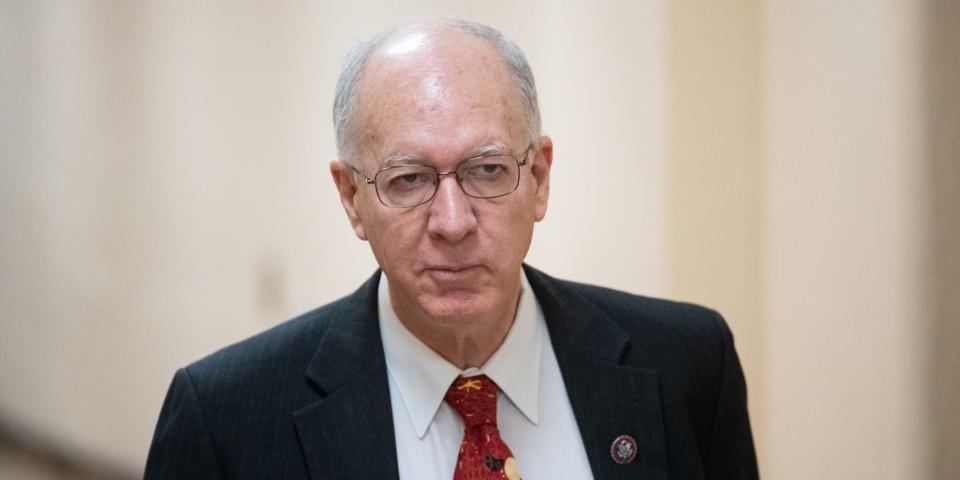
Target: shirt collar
x=422, y=376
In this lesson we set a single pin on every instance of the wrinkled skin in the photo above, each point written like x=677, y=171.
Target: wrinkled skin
x=454, y=263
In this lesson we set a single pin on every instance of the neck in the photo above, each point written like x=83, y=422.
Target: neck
x=463, y=343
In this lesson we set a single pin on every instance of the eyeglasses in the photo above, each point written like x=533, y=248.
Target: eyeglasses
x=485, y=176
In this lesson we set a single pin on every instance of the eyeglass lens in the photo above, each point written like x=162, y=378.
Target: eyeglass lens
x=483, y=177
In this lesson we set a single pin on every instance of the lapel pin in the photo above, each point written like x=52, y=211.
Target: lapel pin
x=623, y=449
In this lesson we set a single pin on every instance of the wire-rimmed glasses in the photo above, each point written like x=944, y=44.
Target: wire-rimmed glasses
x=484, y=176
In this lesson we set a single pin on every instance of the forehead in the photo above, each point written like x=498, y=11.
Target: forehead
x=439, y=93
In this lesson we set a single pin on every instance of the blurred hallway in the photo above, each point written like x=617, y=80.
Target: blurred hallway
x=28, y=462
x=164, y=192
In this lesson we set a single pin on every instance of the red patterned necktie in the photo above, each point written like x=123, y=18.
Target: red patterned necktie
x=483, y=455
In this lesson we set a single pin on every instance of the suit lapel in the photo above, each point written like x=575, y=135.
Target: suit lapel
x=609, y=399
x=349, y=433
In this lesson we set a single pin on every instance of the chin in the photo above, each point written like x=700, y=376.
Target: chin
x=459, y=307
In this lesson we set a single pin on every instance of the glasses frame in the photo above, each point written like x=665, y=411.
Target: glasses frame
x=436, y=183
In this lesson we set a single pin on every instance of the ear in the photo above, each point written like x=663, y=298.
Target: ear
x=540, y=170
x=344, y=179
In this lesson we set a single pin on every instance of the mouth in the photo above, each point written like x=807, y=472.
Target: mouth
x=453, y=273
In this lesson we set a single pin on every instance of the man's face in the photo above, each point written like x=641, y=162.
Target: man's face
x=437, y=99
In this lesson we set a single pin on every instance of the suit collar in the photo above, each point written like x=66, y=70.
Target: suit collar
x=609, y=397
x=349, y=432
x=577, y=322
x=351, y=341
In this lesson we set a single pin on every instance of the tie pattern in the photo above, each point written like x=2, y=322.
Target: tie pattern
x=483, y=455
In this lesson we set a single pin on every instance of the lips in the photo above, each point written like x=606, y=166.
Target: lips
x=453, y=274
x=451, y=268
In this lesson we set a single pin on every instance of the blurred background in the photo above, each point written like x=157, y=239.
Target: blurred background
x=793, y=163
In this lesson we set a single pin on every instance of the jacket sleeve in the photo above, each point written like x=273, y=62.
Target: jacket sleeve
x=182, y=444
x=731, y=454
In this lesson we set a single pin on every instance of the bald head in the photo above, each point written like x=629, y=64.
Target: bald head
x=433, y=62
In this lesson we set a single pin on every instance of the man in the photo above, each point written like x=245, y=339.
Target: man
x=456, y=360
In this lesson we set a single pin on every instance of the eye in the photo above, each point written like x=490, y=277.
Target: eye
x=491, y=169
x=406, y=179
x=409, y=178
x=487, y=169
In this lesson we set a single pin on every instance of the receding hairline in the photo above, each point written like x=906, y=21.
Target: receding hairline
x=359, y=59
x=435, y=38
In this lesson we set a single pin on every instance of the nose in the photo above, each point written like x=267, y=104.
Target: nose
x=451, y=212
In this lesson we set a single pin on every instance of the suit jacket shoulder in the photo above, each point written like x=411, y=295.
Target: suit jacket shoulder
x=676, y=363
x=233, y=413
x=663, y=334
x=260, y=358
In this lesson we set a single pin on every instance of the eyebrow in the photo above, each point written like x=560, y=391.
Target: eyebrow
x=401, y=158
x=490, y=149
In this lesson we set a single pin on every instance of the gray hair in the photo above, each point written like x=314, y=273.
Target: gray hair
x=347, y=93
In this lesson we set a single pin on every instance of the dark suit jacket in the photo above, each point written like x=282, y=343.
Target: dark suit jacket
x=310, y=399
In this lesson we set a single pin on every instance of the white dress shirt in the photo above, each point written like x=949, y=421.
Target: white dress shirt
x=533, y=412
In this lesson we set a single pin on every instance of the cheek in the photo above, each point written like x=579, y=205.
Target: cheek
x=394, y=239
x=508, y=231
x=524, y=221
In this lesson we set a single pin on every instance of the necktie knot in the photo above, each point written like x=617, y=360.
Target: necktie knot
x=474, y=399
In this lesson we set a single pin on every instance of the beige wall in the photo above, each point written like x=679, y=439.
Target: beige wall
x=844, y=230
x=163, y=191
x=801, y=133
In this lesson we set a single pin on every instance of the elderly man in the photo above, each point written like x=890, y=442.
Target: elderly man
x=456, y=360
